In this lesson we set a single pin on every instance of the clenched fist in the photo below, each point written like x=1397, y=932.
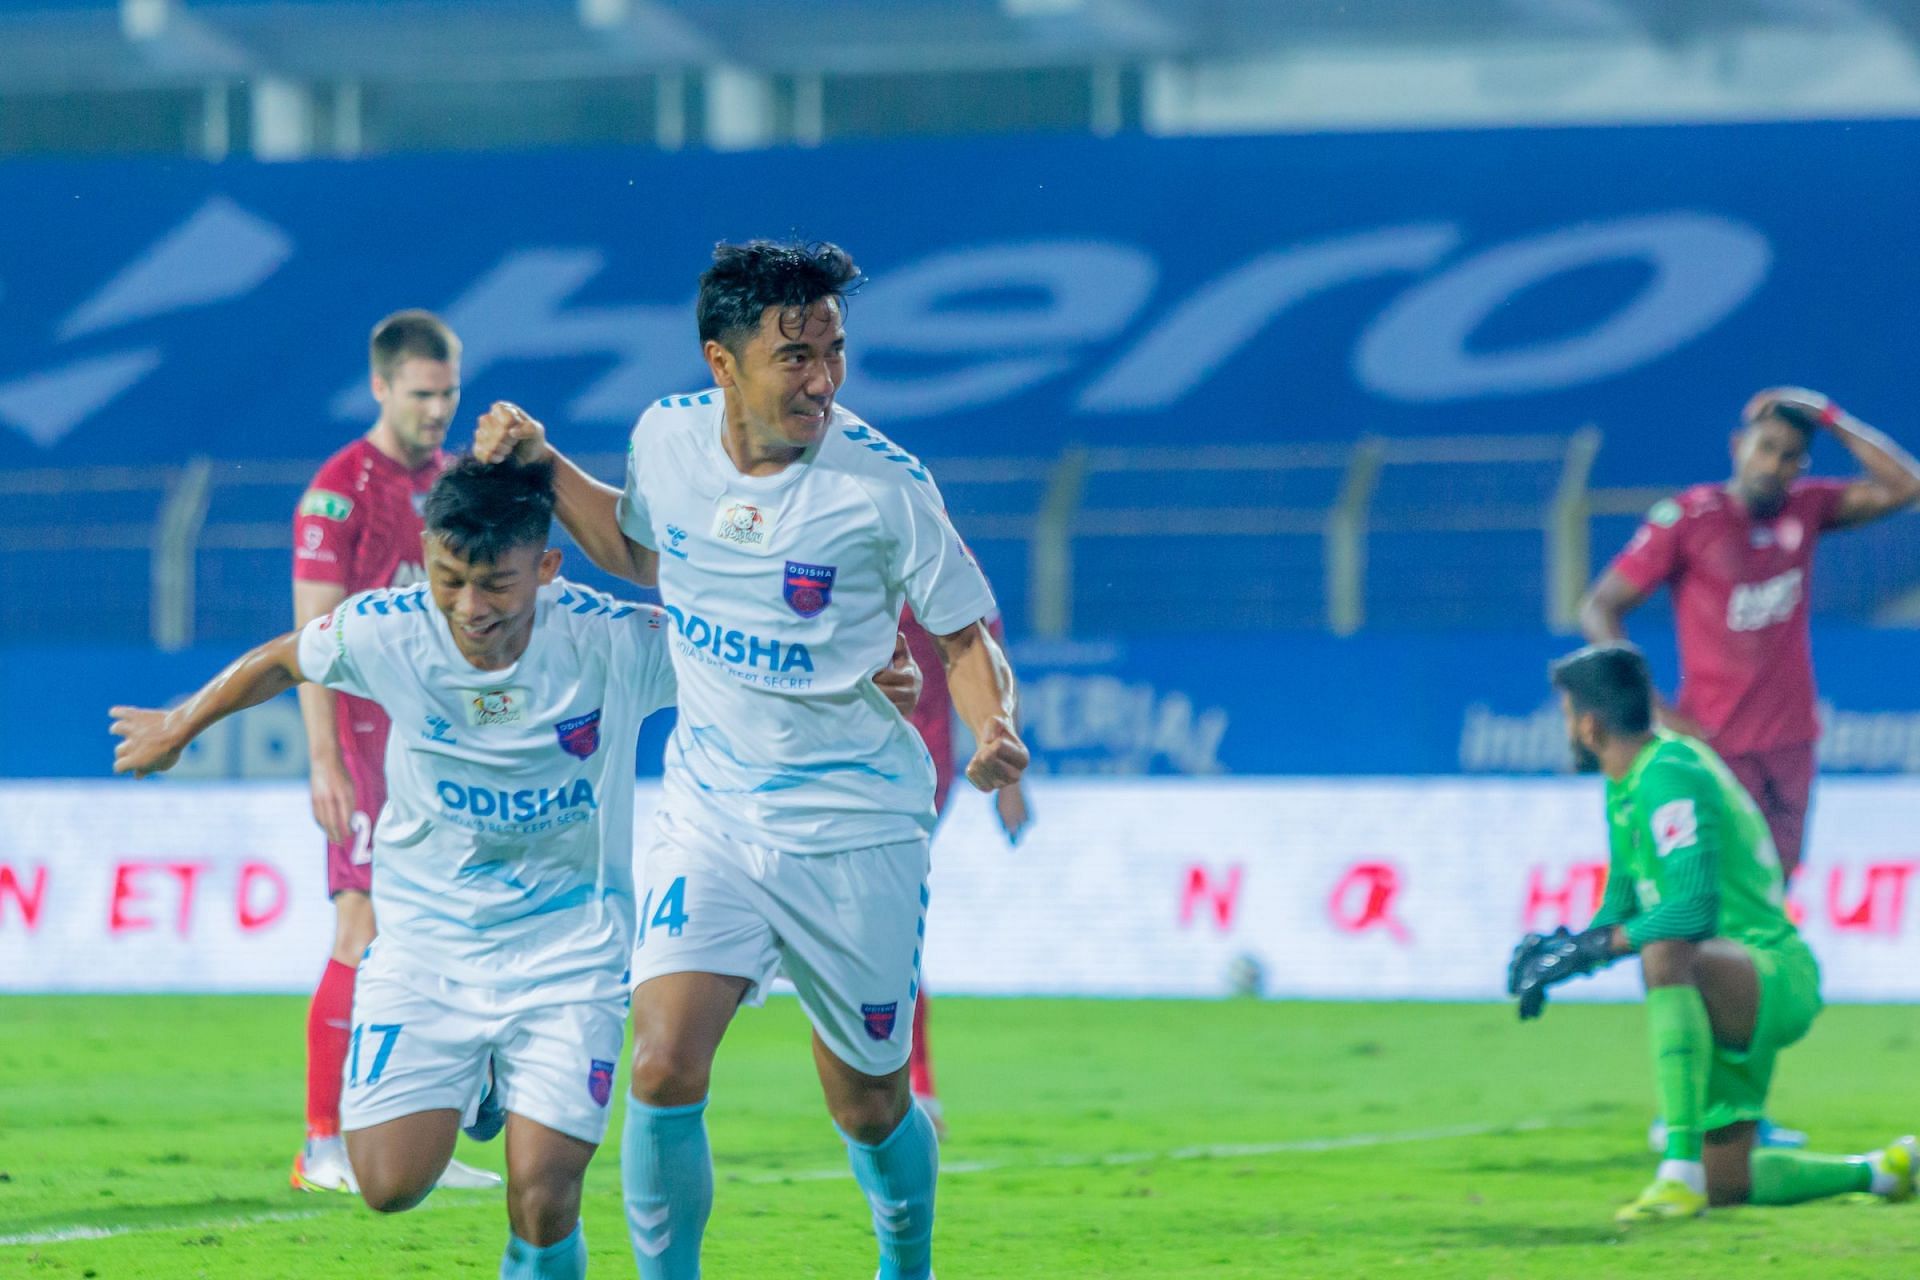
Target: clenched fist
x=1000, y=759
x=508, y=430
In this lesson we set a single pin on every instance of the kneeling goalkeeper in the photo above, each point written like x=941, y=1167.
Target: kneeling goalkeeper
x=1694, y=887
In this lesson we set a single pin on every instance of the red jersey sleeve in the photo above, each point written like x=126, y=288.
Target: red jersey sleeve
x=1652, y=555
x=1823, y=498
x=326, y=527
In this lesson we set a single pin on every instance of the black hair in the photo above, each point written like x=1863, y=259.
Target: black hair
x=480, y=510
x=1794, y=416
x=1611, y=681
x=746, y=279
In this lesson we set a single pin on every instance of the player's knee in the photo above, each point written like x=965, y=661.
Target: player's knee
x=543, y=1211
x=666, y=1074
x=392, y=1195
x=1670, y=962
x=870, y=1118
x=388, y=1185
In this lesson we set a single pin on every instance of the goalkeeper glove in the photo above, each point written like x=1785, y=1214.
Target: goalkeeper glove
x=1543, y=960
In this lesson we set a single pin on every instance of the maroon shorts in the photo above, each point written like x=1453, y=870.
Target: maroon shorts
x=1781, y=783
x=350, y=866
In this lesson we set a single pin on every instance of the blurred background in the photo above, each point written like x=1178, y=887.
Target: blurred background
x=1291, y=367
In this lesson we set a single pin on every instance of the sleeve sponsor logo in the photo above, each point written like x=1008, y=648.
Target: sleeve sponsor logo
x=326, y=504
x=1675, y=826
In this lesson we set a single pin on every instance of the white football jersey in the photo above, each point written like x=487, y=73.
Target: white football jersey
x=504, y=856
x=785, y=593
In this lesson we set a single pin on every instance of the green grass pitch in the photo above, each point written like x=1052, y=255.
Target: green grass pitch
x=150, y=1137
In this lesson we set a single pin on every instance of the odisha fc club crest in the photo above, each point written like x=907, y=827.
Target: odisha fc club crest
x=600, y=1081
x=809, y=587
x=580, y=736
x=879, y=1019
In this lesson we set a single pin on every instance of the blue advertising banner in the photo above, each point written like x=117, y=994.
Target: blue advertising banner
x=1027, y=292
x=1372, y=704
x=1297, y=704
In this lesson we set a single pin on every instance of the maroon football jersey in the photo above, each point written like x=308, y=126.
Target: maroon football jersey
x=359, y=525
x=1740, y=592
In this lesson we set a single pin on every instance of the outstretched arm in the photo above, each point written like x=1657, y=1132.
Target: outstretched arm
x=588, y=509
x=982, y=686
x=153, y=740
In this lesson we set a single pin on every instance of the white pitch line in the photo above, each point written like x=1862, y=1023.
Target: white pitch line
x=952, y=1168
x=60, y=1235
x=1228, y=1151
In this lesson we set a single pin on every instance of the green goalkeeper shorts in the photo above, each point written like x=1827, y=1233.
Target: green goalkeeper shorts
x=1789, y=1000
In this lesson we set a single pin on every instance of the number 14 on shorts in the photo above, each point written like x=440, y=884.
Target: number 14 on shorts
x=671, y=914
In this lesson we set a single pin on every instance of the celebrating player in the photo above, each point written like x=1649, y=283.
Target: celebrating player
x=358, y=527
x=505, y=886
x=505, y=846
x=1694, y=888
x=785, y=534
x=932, y=719
x=1738, y=557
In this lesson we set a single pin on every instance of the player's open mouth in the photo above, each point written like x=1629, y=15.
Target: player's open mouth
x=474, y=633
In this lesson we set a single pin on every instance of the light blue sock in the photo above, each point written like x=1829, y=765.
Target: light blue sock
x=898, y=1177
x=562, y=1260
x=667, y=1171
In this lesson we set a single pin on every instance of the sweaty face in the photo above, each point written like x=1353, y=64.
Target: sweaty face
x=1767, y=458
x=418, y=403
x=1584, y=758
x=785, y=378
x=489, y=607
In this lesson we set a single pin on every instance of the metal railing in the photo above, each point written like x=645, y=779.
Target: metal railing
x=1343, y=526
x=1561, y=510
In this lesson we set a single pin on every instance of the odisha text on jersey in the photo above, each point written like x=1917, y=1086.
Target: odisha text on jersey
x=739, y=647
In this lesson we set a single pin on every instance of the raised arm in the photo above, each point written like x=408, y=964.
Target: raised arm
x=153, y=739
x=587, y=508
x=1892, y=481
x=981, y=682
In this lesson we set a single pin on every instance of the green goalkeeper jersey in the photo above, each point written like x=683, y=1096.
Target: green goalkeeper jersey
x=1691, y=855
